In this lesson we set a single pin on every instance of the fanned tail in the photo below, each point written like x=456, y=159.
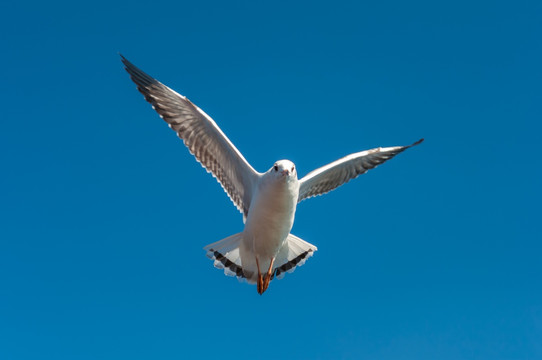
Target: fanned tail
x=225, y=254
x=293, y=253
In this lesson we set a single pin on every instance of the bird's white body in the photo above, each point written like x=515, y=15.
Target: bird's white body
x=265, y=249
x=271, y=216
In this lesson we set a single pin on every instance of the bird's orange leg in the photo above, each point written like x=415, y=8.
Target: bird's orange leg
x=267, y=279
x=259, y=285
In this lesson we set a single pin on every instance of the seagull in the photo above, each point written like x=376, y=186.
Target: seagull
x=265, y=249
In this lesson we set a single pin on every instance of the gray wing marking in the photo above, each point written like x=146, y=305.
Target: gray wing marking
x=333, y=175
x=202, y=137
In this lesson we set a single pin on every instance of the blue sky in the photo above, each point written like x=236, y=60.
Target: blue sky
x=104, y=213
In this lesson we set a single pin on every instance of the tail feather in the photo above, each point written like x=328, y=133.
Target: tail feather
x=225, y=254
x=294, y=253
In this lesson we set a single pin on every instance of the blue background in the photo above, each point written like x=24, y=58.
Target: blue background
x=104, y=213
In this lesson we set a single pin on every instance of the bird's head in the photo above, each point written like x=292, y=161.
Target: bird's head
x=283, y=169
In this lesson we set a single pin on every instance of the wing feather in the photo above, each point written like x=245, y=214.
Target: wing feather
x=203, y=138
x=333, y=175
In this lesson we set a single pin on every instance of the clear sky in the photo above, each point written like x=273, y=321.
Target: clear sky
x=103, y=212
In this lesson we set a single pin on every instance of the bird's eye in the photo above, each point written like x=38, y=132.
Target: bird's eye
x=293, y=167
x=276, y=167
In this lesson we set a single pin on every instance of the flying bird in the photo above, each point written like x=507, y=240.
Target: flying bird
x=265, y=249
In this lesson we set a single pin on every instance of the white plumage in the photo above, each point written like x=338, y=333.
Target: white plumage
x=265, y=249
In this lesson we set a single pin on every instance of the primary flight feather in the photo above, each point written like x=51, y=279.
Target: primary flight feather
x=265, y=249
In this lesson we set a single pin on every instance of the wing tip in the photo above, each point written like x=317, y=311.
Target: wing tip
x=418, y=142
x=123, y=59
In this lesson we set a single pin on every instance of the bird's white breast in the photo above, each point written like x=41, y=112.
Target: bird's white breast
x=271, y=216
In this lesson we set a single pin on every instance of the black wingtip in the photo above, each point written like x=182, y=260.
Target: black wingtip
x=130, y=68
x=418, y=142
x=123, y=59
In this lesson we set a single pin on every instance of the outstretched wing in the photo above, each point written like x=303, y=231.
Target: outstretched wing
x=201, y=136
x=333, y=175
